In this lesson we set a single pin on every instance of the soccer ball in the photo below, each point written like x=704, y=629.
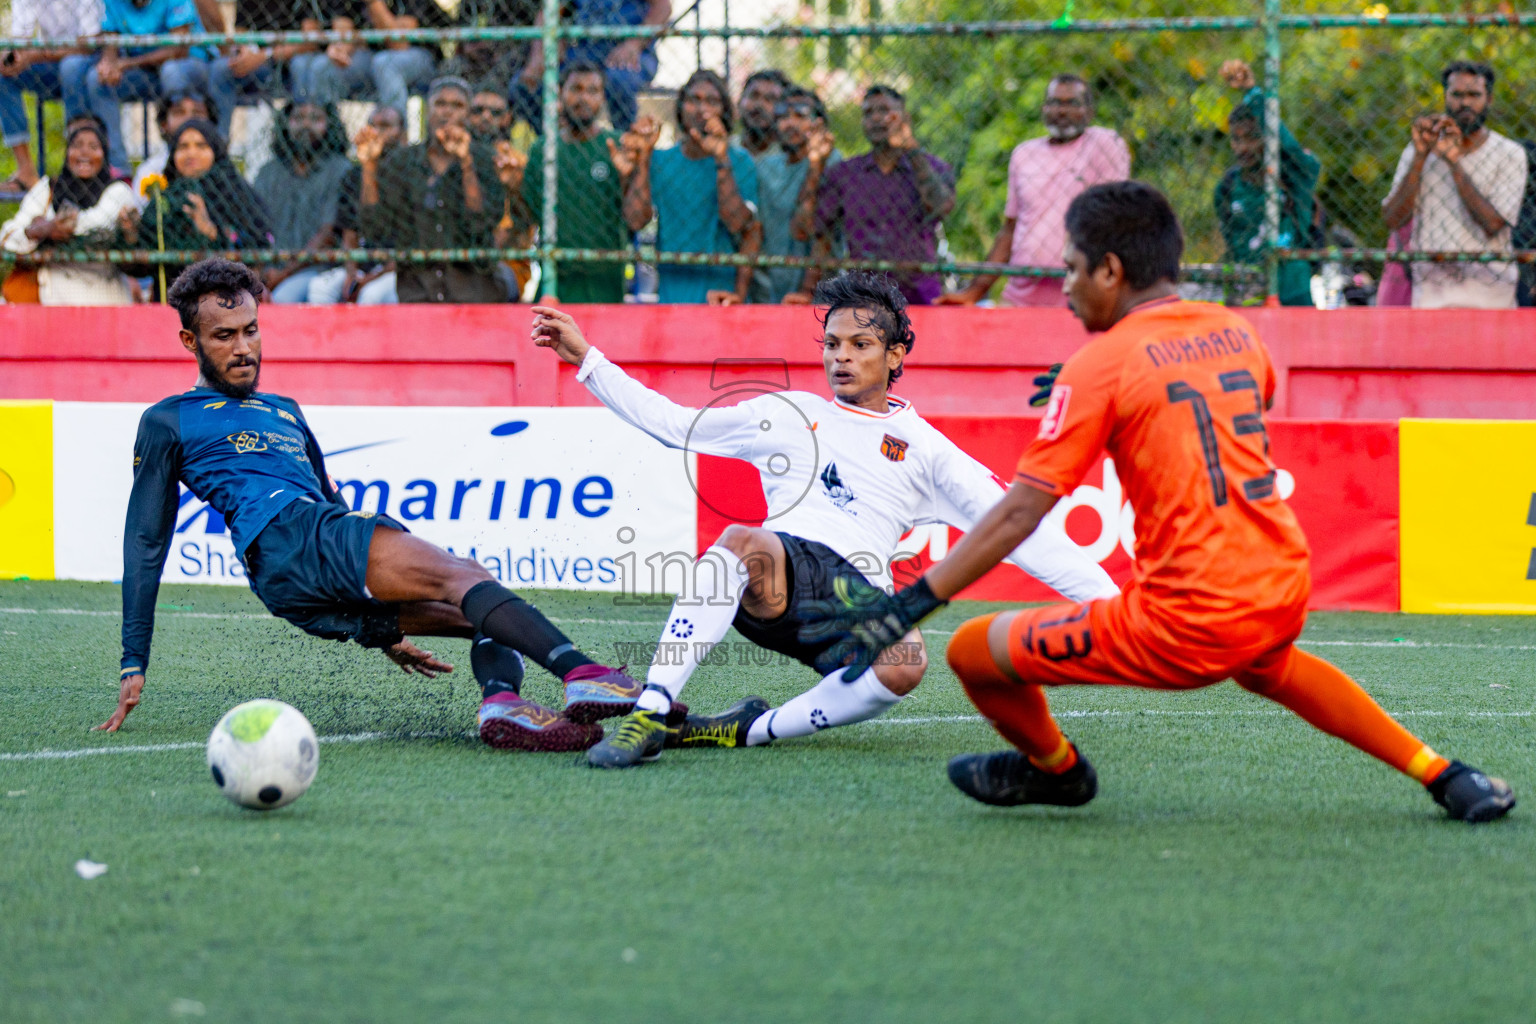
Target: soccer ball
x=263, y=754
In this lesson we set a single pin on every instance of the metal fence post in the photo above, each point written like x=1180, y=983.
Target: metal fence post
x=1271, y=151
x=549, y=220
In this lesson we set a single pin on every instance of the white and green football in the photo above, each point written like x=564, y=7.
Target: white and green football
x=263, y=754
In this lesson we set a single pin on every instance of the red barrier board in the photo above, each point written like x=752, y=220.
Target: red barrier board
x=1344, y=493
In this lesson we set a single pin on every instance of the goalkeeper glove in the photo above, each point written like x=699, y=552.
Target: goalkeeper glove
x=1045, y=382
x=861, y=625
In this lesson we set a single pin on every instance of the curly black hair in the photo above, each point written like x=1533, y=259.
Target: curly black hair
x=877, y=302
x=212, y=276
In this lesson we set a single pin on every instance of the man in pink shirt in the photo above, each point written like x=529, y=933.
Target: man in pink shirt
x=1044, y=176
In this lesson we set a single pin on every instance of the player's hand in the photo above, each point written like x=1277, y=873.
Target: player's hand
x=127, y=699
x=1237, y=74
x=557, y=330
x=411, y=658
x=511, y=165
x=862, y=621
x=1045, y=382
x=455, y=142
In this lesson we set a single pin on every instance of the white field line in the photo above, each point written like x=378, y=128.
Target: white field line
x=369, y=737
x=1304, y=641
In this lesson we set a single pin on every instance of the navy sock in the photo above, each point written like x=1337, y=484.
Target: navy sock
x=497, y=669
x=512, y=622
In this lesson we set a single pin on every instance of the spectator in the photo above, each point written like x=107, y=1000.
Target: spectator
x=343, y=67
x=490, y=116
x=77, y=208
x=760, y=96
x=388, y=75
x=206, y=204
x=253, y=72
x=788, y=178
x=143, y=74
x=1044, y=175
x=438, y=194
x=1524, y=234
x=1461, y=184
x=300, y=189
x=590, y=199
x=703, y=194
x=631, y=63
x=171, y=112
x=491, y=61
x=1240, y=194
x=889, y=201
x=372, y=285
x=53, y=73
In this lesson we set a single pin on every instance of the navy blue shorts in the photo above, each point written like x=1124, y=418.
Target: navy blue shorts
x=810, y=567
x=308, y=565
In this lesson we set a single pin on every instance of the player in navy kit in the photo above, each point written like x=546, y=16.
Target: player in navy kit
x=333, y=572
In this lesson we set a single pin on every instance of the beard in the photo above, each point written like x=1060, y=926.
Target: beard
x=216, y=379
x=1470, y=121
x=1064, y=132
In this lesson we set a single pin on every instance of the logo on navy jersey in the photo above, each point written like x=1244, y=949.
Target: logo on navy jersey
x=247, y=441
x=838, y=492
x=893, y=448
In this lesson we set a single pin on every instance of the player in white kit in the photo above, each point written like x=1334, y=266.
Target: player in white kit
x=844, y=478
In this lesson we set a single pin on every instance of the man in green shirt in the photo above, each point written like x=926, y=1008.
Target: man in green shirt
x=591, y=191
x=1240, y=193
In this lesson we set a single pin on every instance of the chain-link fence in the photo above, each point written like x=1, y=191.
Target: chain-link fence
x=438, y=150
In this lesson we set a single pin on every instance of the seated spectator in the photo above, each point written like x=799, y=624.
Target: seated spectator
x=788, y=181
x=1044, y=175
x=631, y=63
x=438, y=194
x=888, y=202
x=300, y=188
x=78, y=208
x=1461, y=184
x=52, y=74
x=490, y=116
x=486, y=60
x=249, y=73
x=371, y=285
x=171, y=112
x=760, y=96
x=1240, y=195
x=143, y=74
x=388, y=74
x=701, y=191
x=205, y=205
x=590, y=201
x=349, y=64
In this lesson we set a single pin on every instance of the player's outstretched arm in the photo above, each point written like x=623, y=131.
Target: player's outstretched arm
x=147, y=533
x=730, y=431
x=1005, y=526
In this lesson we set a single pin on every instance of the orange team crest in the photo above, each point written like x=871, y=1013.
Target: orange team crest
x=893, y=448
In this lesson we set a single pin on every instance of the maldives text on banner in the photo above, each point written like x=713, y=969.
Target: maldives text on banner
x=26, y=490
x=542, y=497
x=1469, y=516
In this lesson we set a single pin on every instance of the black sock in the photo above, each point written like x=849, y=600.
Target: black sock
x=512, y=622
x=497, y=669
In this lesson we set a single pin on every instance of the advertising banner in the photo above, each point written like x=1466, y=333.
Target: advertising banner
x=1340, y=478
x=542, y=497
x=26, y=490
x=1469, y=516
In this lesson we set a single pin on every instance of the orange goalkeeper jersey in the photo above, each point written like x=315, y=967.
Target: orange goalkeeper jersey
x=1175, y=393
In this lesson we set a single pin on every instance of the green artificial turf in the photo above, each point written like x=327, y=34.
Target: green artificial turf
x=1236, y=866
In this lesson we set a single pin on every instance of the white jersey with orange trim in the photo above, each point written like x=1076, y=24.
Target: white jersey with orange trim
x=852, y=479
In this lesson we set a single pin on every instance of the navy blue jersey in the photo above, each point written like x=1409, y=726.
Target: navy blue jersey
x=248, y=459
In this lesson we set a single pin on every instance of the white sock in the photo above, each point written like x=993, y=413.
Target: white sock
x=692, y=630
x=828, y=703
